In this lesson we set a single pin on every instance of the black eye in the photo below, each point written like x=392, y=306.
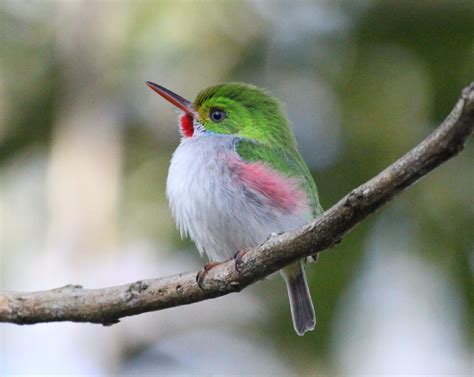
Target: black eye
x=217, y=115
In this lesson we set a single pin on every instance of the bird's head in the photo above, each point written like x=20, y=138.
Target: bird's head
x=237, y=109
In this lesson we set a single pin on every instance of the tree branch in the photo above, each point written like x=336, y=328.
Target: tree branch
x=108, y=305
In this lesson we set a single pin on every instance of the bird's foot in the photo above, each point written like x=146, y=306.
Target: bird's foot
x=202, y=274
x=238, y=260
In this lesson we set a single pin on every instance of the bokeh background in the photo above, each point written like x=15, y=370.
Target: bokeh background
x=84, y=153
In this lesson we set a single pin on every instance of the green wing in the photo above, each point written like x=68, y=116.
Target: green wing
x=289, y=162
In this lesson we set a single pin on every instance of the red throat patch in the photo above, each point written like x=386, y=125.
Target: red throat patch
x=186, y=122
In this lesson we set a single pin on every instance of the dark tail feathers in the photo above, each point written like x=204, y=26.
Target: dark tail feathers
x=302, y=310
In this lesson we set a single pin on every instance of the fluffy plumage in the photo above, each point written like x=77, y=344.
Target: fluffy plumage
x=219, y=210
x=233, y=182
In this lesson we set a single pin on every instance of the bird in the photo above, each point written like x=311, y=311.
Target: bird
x=237, y=177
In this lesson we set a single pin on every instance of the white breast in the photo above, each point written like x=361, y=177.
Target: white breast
x=210, y=205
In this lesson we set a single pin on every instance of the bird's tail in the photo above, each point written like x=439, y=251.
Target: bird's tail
x=302, y=310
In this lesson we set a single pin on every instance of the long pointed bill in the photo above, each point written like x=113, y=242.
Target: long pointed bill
x=175, y=99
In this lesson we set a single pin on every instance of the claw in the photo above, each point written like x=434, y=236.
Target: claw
x=238, y=260
x=202, y=274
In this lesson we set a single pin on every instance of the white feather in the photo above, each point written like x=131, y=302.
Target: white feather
x=220, y=213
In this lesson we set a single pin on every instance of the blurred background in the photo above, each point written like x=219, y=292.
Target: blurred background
x=84, y=154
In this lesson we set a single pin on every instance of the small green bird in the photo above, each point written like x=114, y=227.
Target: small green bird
x=237, y=177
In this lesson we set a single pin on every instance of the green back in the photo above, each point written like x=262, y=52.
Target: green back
x=288, y=162
x=256, y=117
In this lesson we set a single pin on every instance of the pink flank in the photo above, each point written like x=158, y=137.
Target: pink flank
x=283, y=192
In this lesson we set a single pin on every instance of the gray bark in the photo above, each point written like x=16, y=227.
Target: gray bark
x=107, y=305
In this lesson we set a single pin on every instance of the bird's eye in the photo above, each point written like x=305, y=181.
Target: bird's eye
x=217, y=115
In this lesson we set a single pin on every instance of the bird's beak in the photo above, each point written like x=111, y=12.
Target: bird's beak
x=175, y=99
